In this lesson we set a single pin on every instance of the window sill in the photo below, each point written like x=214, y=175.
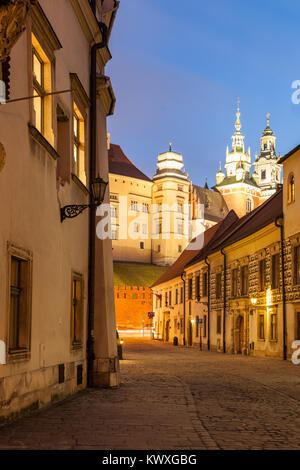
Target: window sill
x=40, y=139
x=18, y=355
x=80, y=184
x=76, y=347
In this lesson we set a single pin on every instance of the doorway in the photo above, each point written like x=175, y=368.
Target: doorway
x=240, y=334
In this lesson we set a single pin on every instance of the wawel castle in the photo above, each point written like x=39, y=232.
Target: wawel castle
x=144, y=245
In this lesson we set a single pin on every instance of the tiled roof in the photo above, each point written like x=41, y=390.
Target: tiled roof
x=189, y=255
x=257, y=219
x=119, y=164
x=215, y=207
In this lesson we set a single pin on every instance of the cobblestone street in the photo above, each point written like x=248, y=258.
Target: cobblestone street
x=174, y=398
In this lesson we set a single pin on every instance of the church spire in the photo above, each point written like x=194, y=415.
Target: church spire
x=238, y=125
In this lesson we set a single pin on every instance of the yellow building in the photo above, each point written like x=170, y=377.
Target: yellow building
x=237, y=298
x=48, y=162
x=149, y=218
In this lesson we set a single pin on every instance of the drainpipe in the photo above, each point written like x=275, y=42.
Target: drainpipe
x=225, y=303
x=279, y=224
x=182, y=275
x=92, y=214
x=208, y=303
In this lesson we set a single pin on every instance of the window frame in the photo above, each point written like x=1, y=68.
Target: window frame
x=77, y=344
x=25, y=256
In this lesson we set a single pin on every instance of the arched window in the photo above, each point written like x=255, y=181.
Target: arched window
x=291, y=189
x=249, y=205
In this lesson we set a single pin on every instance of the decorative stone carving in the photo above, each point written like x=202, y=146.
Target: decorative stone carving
x=2, y=157
x=12, y=23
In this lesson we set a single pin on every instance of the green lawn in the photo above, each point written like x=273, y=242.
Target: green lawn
x=136, y=274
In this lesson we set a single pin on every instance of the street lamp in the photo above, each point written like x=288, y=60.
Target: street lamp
x=98, y=188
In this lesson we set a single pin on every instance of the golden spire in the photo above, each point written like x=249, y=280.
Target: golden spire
x=238, y=115
x=170, y=146
x=268, y=120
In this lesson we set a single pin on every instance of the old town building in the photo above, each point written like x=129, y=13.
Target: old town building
x=57, y=323
x=240, y=292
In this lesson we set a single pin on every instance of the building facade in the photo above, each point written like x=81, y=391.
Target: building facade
x=49, y=342
x=243, y=189
x=241, y=291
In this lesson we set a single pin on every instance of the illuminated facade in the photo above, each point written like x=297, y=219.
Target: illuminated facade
x=242, y=190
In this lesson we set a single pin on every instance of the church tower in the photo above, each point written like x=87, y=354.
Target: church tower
x=238, y=188
x=267, y=169
x=170, y=199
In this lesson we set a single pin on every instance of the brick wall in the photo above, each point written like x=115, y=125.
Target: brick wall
x=132, y=306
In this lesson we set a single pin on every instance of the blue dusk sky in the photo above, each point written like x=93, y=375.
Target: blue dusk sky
x=179, y=67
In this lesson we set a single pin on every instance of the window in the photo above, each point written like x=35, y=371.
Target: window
x=134, y=206
x=144, y=229
x=297, y=265
x=176, y=297
x=181, y=295
x=204, y=326
x=180, y=187
x=297, y=326
x=234, y=282
x=263, y=174
x=179, y=228
x=113, y=212
x=275, y=271
x=19, y=323
x=261, y=326
x=180, y=207
x=249, y=205
x=136, y=227
x=190, y=289
x=218, y=285
x=78, y=143
x=145, y=208
x=166, y=299
x=38, y=69
x=197, y=287
x=273, y=326
x=142, y=245
x=204, y=285
x=179, y=248
x=158, y=248
x=219, y=321
x=244, y=280
x=77, y=312
x=170, y=298
x=262, y=275
x=291, y=189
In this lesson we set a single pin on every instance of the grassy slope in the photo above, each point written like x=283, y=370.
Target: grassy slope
x=136, y=274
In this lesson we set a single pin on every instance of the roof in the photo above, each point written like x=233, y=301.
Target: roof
x=119, y=164
x=215, y=207
x=257, y=219
x=136, y=274
x=285, y=157
x=188, y=255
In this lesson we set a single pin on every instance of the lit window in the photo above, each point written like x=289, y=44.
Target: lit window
x=273, y=327
x=275, y=271
x=78, y=140
x=244, y=280
x=38, y=69
x=291, y=189
x=261, y=326
x=263, y=174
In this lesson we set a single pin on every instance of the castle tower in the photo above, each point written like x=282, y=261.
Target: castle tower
x=238, y=188
x=170, y=199
x=266, y=165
